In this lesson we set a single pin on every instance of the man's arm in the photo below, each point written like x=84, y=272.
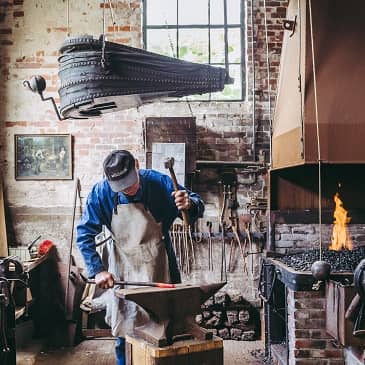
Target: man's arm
x=190, y=202
x=96, y=214
x=185, y=199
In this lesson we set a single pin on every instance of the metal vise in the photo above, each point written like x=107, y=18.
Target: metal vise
x=172, y=311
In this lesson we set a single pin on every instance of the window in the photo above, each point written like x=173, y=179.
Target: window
x=196, y=31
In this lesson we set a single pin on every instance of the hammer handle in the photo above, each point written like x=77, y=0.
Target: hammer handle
x=353, y=307
x=176, y=187
x=173, y=178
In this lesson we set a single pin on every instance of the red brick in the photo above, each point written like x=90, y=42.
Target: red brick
x=6, y=31
x=310, y=304
x=15, y=124
x=30, y=65
x=125, y=28
x=311, y=362
x=18, y=14
x=334, y=353
x=308, y=294
x=112, y=28
x=310, y=323
x=310, y=344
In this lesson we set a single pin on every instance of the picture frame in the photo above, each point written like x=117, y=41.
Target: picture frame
x=43, y=157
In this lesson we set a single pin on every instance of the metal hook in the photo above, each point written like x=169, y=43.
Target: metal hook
x=290, y=25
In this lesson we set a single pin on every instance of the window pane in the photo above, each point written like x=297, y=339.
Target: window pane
x=234, y=11
x=193, y=12
x=234, y=45
x=233, y=91
x=216, y=12
x=193, y=45
x=162, y=41
x=217, y=45
x=161, y=12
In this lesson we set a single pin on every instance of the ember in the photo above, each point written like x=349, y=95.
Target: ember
x=340, y=261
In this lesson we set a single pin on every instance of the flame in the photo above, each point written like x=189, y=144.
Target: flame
x=340, y=235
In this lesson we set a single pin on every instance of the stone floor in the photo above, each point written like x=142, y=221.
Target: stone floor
x=101, y=352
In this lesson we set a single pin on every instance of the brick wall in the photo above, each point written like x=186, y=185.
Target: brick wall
x=309, y=344
x=30, y=35
x=290, y=238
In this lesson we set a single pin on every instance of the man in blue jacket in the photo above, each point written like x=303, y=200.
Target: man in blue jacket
x=138, y=207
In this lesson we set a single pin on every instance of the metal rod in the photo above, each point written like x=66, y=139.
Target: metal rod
x=225, y=37
x=253, y=85
x=317, y=129
x=135, y=283
x=76, y=194
x=228, y=163
x=268, y=80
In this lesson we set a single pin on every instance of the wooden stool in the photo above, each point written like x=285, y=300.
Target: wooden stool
x=187, y=352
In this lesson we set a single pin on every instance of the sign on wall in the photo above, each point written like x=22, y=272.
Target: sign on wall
x=162, y=151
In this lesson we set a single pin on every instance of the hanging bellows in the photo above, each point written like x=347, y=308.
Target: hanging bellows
x=99, y=76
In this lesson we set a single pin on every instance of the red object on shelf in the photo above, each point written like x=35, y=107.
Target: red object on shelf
x=44, y=247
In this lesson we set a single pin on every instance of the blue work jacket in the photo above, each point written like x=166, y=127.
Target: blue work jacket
x=154, y=192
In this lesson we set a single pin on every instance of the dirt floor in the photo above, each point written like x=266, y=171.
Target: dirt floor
x=243, y=353
x=101, y=352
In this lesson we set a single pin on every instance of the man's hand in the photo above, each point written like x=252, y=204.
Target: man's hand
x=104, y=280
x=182, y=199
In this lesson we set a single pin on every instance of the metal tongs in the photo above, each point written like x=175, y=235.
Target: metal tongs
x=135, y=283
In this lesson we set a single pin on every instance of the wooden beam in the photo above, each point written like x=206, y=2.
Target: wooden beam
x=3, y=238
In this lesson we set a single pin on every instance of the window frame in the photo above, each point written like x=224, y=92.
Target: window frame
x=225, y=26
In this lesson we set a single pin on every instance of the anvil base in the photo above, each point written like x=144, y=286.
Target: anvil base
x=187, y=352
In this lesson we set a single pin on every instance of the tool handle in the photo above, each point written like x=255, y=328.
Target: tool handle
x=173, y=178
x=353, y=308
x=176, y=187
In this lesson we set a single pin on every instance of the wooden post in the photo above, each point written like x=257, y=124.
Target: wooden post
x=3, y=239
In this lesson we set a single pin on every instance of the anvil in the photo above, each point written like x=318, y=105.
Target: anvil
x=172, y=311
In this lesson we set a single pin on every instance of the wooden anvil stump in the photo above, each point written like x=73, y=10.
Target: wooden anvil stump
x=172, y=311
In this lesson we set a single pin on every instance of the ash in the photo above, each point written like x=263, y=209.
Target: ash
x=340, y=261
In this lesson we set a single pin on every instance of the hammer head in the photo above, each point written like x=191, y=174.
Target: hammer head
x=169, y=163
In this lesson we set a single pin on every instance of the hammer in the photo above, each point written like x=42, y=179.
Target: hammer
x=169, y=164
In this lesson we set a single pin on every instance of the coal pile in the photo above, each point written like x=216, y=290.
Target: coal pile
x=340, y=261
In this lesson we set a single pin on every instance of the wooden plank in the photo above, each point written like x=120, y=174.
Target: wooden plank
x=3, y=238
x=188, y=352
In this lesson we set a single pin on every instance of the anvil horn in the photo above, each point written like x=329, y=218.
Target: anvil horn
x=210, y=289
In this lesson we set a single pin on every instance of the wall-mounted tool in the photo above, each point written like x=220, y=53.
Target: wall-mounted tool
x=210, y=246
x=228, y=179
x=187, y=239
x=33, y=251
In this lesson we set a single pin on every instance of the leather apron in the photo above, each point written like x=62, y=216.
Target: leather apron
x=138, y=253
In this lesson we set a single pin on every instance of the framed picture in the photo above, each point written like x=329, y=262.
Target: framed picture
x=43, y=157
